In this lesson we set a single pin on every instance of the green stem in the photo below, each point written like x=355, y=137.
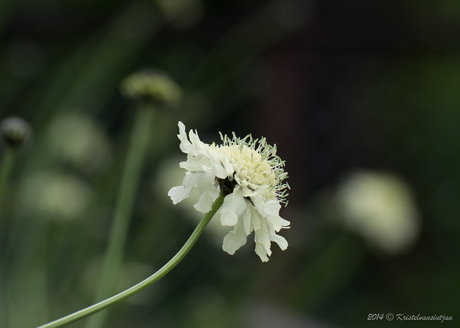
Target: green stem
x=7, y=165
x=147, y=282
x=129, y=181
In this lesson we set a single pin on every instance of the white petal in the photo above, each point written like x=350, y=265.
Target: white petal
x=262, y=189
x=261, y=252
x=195, y=147
x=185, y=145
x=259, y=204
x=234, y=239
x=270, y=210
x=281, y=241
x=278, y=222
x=196, y=163
x=220, y=162
x=246, y=192
x=229, y=169
x=191, y=180
x=232, y=208
x=193, y=136
x=205, y=203
x=246, y=218
x=261, y=236
x=255, y=218
x=178, y=194
x=205, y=183
x=272, y=207
x=182, y=135
x=262, y=241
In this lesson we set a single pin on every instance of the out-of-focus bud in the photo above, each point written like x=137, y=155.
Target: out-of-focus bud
x=151, y=85
x=15, y=131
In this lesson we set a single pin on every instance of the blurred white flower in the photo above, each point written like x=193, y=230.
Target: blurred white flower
x=76, y=138
x=55, y=196
x=380, y=208
x=250, y=175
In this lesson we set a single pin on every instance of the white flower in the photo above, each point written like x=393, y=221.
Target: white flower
x=55, y=196
x=381, y=209
x=250, y=175
x=79, y=140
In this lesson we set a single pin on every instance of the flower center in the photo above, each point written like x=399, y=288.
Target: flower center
x=255, y=165
x=251, y=170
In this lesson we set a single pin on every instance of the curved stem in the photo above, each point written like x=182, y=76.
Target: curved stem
x=147, y=282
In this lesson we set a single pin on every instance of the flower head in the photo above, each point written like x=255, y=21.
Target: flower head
x=15, y=131
x=152, y=85
x=250, y=175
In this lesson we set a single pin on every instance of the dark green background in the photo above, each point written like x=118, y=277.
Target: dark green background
x=336, y=85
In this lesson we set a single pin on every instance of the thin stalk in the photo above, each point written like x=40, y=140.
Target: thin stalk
x=147, y=282
x=129, y=181
x=5, y=171
x=7, y=165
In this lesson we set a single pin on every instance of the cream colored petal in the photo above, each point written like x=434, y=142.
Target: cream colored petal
x=234, y=239
x=185, y=145
x=246, y=218
x=262, y=241
x=272, y=207
x=193, y=147
x=281, y=241
x=196, y=142
x=278, y=222
x=205, y=183
x=204, y=204
x=259, y=204
x=178, y=194
x=255, y=218
x=219, y=169
x=196, y=163
x=232, y=208
x=190, y=180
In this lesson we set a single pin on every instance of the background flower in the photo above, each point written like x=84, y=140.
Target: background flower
x=54, y=196
x=379, y=207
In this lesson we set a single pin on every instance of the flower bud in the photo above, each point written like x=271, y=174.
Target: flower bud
x=15, y=131
x=151, y=85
